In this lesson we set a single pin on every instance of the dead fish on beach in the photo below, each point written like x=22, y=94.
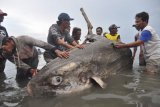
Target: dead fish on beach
x=95, y=63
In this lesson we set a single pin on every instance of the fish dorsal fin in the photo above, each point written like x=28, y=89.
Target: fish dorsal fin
x=99, y=81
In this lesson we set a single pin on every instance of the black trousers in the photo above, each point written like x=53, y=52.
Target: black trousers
x=2, y=64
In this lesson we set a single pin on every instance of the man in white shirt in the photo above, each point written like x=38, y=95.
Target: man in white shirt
x=150, y=42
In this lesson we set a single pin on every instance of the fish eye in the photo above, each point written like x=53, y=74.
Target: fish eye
x=56, y=80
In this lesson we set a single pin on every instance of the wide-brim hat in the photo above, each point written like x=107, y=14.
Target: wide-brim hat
x=2, y=13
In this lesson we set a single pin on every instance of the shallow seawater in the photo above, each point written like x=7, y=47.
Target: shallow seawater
x=126, y=89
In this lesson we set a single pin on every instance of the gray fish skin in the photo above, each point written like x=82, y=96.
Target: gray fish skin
x=96, y=62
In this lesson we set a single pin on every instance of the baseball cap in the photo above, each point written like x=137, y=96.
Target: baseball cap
x=2, y=13
x=113, y=26
x=64, y=17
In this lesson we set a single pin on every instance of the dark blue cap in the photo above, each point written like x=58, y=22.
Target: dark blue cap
x=64, y=17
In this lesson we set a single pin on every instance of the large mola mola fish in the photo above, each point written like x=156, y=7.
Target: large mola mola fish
x=94, y=63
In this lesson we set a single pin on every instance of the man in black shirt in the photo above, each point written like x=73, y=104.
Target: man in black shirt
x=59, y=36
x=3, y=33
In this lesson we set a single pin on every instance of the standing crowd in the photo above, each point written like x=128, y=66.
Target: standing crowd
x=22, y=50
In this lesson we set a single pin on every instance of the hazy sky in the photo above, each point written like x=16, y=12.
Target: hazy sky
x=34, y=17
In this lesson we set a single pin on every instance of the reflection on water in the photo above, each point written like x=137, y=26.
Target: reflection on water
x=126, y=89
